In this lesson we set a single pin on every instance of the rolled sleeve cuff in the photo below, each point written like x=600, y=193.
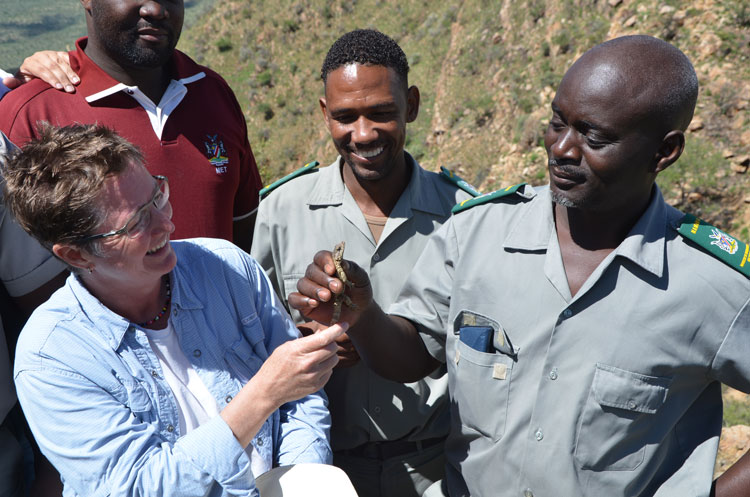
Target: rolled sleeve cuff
x=434, y=343
x=317, y=451
x=214, y=449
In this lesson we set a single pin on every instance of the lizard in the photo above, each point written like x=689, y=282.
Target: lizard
x=342, y=298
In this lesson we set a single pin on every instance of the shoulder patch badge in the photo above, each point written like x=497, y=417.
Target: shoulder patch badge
x=459, y=182
x=731, y=251
x=309, y=167
x=487, y=197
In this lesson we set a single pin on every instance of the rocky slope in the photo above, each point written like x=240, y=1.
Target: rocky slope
x=487, y=71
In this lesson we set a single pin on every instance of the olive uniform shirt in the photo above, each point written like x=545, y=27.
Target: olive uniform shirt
x=614, y=391
x=315, y=211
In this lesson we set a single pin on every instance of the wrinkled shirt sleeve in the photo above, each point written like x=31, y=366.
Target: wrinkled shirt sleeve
x=730, y=365
x=303, y=433
x=425, y=297
x=105, y=450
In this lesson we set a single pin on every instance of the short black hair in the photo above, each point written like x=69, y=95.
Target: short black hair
x=366, y=47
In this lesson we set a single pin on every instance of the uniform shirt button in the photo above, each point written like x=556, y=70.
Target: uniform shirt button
x=553, y=374
x=567, y=313
x=260, y=442
x=376, y=257
x=154, y=373
x=632, y=404
x=377, y=410
x=528, y=493
x=197, y=352
x=228, y=399
x=175, y=312
x=170, y=428
x=539, y=435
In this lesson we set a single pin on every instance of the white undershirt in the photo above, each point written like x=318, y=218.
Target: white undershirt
x=195, y=404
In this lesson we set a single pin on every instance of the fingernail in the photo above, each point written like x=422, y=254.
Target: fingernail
x=58, y=86
x=69, y=88
x=75, y=79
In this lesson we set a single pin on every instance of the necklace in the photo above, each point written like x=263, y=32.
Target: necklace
x=166, y=304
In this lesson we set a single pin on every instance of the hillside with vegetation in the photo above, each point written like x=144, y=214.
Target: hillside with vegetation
x=487, y=72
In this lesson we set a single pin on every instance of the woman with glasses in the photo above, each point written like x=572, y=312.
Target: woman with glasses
x=160, y=368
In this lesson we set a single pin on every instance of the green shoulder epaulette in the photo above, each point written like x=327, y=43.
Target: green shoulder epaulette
x=310, y=166
x=487, y=197
x=731, y=251
x=459, y=182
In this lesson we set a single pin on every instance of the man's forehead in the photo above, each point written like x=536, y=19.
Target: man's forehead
x=598, y=75
x=603, y=81
x=355, y=78
x=350, y=70
x=354, y=70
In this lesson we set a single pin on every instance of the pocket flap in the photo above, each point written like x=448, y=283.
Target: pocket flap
x=614, y=387
x=138, y=399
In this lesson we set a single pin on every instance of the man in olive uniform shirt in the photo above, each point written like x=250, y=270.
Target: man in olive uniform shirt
x=387, y=436
x=587, y=325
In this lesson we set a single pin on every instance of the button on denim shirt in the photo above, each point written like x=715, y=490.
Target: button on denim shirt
x=98, y=404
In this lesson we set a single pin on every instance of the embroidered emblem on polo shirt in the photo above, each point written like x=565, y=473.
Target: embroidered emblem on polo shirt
x=723, y=241
x=216, y=153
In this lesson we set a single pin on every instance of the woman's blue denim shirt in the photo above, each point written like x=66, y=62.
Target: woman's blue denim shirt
x=99, y=406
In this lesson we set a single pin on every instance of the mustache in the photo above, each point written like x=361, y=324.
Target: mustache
x=565, y=169
x=161, y=26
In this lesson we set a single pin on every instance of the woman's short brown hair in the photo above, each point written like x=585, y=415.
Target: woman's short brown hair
x=52, y=184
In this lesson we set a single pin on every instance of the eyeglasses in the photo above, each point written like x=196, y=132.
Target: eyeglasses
x=139, y=221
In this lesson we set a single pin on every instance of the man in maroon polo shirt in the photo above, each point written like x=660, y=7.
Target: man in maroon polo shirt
x=183, y=116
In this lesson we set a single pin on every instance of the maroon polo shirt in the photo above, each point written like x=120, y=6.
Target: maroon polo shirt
x=203, y=150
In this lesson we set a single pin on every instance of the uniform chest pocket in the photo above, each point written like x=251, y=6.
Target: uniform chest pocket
x=617, y=422
x=480, y=385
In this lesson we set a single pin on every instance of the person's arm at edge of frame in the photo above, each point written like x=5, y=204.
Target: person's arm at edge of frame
x=389, y=345
x=735, y=481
